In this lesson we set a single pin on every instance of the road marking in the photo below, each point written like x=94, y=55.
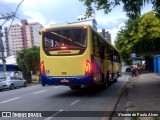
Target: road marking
x=49, y=118
x=10, y=100
x=74, y=102
x=57, y=86
x=39, y=91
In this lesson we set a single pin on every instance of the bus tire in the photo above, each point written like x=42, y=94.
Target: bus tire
x=106, y=83
x=74, y=87
x=115, y=80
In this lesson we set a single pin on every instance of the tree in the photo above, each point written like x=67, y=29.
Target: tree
x=148, y=34
x=28, y=60
x=126, y=38
x=131, y=7
x=141, y=35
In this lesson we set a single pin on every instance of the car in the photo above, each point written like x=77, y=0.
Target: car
x=11, y=82
x=128, y=69
x=1, y=86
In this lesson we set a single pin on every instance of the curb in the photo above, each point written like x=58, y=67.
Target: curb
x=115, y=101
x=33, y=83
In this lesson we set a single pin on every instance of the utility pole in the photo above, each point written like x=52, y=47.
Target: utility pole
x=2, y=51
x=2, y=56
x=6, y=17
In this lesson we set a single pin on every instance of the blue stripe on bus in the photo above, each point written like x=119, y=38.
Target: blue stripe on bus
x=73, y=80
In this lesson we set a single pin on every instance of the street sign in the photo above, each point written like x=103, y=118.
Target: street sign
x=133, y=55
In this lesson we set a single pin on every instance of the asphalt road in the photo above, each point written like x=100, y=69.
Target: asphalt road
x=61, y=98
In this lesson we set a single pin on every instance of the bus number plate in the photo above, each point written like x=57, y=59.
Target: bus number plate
x=65, y=81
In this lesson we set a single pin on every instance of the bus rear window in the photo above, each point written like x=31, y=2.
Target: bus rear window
x=69, y=41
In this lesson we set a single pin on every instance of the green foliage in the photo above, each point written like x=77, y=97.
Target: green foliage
x=141, y=35
x=131, y=7
x=149, y=33
x=126, y=38
x=29, y=59
x=105, y=5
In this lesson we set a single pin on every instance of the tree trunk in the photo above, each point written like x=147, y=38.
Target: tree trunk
x=27, y=76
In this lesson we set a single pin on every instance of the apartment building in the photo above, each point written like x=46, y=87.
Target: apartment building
x=21, y=36
x=106, y=34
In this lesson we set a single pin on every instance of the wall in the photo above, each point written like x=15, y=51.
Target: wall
x=156, y=63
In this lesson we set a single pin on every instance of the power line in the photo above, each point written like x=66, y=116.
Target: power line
x=6, y=16
x=14, y=15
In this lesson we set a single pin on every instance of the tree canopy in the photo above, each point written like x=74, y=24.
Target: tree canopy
x=28, y=60
x=131, y=7
x=141, y=35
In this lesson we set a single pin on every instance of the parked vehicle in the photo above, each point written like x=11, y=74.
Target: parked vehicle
x=11, y=82
x=1, y=87
x=128, y=69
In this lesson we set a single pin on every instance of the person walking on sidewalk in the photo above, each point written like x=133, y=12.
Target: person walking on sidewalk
x=133, y=70
x=138, y=68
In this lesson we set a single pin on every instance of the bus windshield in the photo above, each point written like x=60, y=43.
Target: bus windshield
x=65, y=39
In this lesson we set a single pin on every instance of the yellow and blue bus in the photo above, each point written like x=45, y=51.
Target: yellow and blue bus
x=76, y=55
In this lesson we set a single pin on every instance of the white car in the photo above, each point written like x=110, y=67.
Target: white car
x=11, y=82
x=1, y=86
x=126, y=68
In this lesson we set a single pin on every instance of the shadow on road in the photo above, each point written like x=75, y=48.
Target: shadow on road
x=90, y=91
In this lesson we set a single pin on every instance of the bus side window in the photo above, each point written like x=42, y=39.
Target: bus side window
x=119, y=58
x=101, y=48
x=95, y=46
x=114, y=56
x=111, y=54
x=106, y=52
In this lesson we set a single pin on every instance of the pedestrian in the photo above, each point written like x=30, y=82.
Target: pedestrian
x=133, y=70
x=137, y=72
x=138, y=68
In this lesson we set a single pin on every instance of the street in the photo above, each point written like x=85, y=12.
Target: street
x=62, y=98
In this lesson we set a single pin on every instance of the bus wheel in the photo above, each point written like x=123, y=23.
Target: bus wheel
x=106, y=83
x=115, y=80
x=74, y=87
x=43, y=84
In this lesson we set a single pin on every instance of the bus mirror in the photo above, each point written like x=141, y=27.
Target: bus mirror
x=39, y=32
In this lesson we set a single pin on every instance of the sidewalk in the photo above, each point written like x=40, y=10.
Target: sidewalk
x=141, y=94
x=34, y=82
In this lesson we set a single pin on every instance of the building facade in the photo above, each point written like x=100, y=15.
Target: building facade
x=1, y=45
x=105, y=34
x=22, y=36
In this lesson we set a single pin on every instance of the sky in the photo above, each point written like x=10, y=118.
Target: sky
x=49, y=12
